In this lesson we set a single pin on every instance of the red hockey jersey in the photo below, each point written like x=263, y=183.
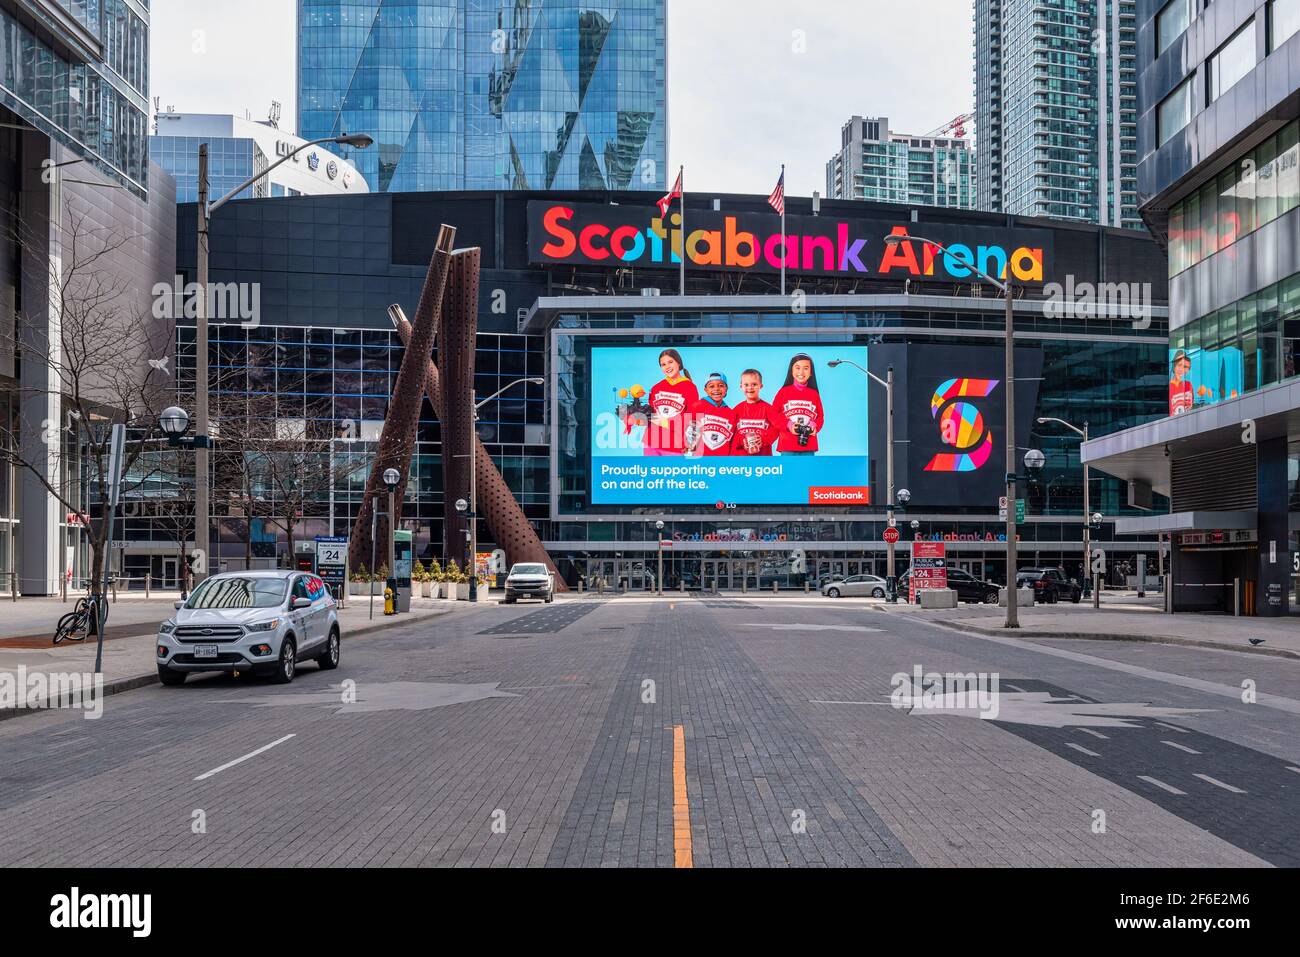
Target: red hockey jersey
x=669, y=403
x=798, y=405
x=753, y=418
x=716, y=425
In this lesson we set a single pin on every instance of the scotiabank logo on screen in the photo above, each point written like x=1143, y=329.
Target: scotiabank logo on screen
x=839, y=495
x=618, y=236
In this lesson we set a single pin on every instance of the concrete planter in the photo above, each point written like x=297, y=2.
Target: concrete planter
x=426, y=589
x=1024, y=597
x=938, y=598
x=356, y=588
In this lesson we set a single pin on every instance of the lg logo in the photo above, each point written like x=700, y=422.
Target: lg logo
x=961, y=425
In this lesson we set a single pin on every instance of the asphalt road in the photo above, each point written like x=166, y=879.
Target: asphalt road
x=690, y=732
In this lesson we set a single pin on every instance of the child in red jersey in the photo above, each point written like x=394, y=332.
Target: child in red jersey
x=797, y=409
x=670, y=401
x=755, y=432
x=1181, y=396
x=713, y=426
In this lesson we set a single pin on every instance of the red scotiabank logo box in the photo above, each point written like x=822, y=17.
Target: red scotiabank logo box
x=928, y=550
x=839, y=495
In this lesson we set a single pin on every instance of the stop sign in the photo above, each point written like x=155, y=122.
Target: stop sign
x=891, y=535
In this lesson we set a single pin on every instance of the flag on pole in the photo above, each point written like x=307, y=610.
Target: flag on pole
x=675, y=193
x=777, y=199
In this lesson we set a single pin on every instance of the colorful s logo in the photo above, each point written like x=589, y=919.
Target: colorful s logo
x=961, y=425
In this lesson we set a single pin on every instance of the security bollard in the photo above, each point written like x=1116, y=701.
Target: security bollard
x=775, y=590
x=681, y=587
x=806, y=589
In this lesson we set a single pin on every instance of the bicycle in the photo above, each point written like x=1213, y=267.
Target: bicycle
x=75, y=625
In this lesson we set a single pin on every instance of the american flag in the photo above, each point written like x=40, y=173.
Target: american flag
x=777, y=199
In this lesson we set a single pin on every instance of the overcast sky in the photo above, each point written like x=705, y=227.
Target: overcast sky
x=751, y=83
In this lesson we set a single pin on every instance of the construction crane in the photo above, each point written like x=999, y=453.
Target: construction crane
x=956, y=126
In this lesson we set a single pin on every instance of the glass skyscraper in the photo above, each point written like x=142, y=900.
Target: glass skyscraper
x=490, y=94
x=1056, y=109
x=83, y=81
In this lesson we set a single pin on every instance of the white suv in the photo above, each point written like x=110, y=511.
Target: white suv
x=259, y=622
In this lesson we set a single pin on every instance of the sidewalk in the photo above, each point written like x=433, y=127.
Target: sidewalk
x=129, y=660
x=1123, y=618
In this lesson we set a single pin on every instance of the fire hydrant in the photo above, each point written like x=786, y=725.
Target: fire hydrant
x=390, y=605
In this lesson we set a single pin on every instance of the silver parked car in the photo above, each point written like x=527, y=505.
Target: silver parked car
x=530, y=580
x=855, y=586
x=259, y=622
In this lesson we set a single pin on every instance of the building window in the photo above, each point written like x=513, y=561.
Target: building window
x=1252, y=192
x=1171, y=22
x=1175, y=112
x=1283, y=22
x=1234, y=60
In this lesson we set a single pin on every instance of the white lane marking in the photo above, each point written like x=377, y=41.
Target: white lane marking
x=1095, y=734
x=1296, y=770
x=252, y=754
x=1181, y=747
x=1079, y=747
x=1219, y=784
x=1014, y=687
x=1173, y=728
x=1161, y=784
x=807, y=627
x=819, y=701
x=1278, y=702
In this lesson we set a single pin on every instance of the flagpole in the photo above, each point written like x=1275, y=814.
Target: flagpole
x=681, y=179
x=785, y=250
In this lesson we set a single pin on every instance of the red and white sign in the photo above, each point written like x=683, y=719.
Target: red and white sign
x=665, y=543
x=839, y=495
x=929, y=568
x=891, y=535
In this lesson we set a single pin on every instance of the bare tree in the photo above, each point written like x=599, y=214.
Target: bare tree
x=277, y=469
x=106, y=353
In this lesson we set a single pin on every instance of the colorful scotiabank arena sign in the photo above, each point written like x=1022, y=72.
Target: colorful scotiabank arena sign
x=929, y=568
x=621, y=236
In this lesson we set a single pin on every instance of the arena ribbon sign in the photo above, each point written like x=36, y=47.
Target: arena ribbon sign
x=621, y=236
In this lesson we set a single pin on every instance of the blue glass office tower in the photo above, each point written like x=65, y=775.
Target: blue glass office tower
x=490, y=94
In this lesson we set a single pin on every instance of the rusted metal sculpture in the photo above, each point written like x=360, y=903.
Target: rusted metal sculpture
x=506, y=521
x=398, y=437
x=457, y=337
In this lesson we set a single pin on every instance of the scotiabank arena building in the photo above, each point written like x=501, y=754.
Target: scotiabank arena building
x=776, y=468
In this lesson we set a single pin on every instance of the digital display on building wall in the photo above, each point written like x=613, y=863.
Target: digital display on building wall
x=1200, y=377
x=729, y=425
x=634, y=236
x=956, y=421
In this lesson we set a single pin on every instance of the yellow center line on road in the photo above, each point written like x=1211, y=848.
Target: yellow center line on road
x=682, y=856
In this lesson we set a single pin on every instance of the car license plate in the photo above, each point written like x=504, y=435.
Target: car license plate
x=205, y=651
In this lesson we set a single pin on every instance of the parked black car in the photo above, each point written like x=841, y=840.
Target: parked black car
x=1050, y=585
x=968, y=587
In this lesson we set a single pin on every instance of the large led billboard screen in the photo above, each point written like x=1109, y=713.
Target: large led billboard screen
x=729, y=425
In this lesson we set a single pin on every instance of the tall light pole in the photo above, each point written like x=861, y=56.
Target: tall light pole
x=203, y=218
x=1008, y=292
x=659, y=538
x=1087, y=509
x=891, y=590
x=474, y=406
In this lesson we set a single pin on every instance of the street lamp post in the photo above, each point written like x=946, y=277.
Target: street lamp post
x=474, y=406
x=203, y=219
x=1008, y=292
x=891, y=590
x=1087, y=508
x=659, y=537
